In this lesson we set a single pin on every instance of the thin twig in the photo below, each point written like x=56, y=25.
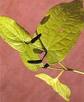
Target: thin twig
x=70, y=69
x=60, y=74
x=79, y=72
x=55, y=68
x=63, y=67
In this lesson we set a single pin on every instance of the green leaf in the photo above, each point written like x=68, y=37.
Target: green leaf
x=58, y=87
x=61, y=29
x=27, y=55
x=16, y=37
x=13, y=33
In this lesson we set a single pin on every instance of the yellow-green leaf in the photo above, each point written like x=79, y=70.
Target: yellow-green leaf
x=13, y=33
x=61, y=28
x=28, y=54
x=16, y=37
x=62, y=89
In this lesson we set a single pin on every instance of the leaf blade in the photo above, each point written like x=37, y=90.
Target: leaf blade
x=62, y=29
x=57, y=86
x=13, y=33
x=16, y=37
x=27, y=55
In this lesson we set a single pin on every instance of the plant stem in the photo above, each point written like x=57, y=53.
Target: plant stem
x=63, y=67
x=59, y=74
x=79, y=72
x=70, y=69
x=55, y=68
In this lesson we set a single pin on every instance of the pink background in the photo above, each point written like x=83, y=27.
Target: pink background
x=17, y=84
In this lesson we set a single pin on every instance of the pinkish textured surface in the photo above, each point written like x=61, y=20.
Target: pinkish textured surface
x=17, y=84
